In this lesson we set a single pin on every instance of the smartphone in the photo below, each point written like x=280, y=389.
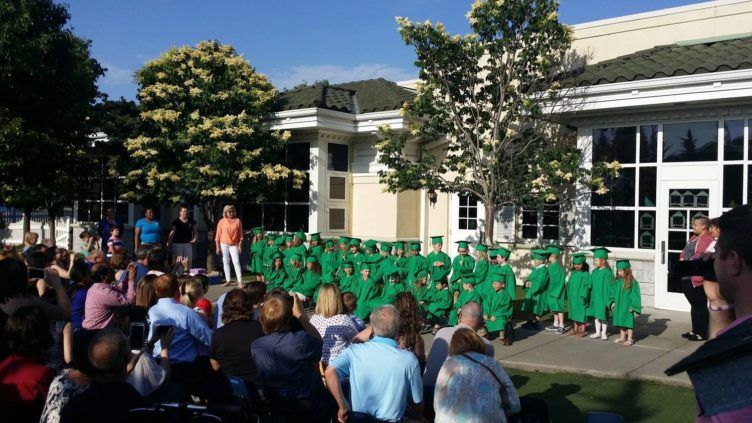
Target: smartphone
x=161, y=330
x=35, y=273
x=137, y=335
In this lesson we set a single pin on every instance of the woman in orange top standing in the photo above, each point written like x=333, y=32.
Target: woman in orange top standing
x=229, y=240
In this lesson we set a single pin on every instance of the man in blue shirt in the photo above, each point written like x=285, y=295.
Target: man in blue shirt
x=382, y=376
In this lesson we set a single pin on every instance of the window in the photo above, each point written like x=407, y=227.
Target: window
x=102, y=192
x=540, y=224
x=625, y=216
x=733, y=182
x=338, y=157
x=733, y=140
x=337, y=187
x=468, y=219
x=690, y=142
x=337, y=219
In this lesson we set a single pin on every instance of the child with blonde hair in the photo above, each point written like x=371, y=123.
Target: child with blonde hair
x=191, y=292
x=625, y=302
x=601, y=280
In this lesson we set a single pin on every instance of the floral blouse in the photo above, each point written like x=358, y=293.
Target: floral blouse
x=336, y=332
x=454, y=403
x=61, y=391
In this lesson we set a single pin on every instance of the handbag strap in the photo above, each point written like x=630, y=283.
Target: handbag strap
x=502, y=389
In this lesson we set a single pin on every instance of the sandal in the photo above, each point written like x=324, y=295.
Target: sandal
x=619, y=341
x=628, y=343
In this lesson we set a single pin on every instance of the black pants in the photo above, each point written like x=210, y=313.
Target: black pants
x=698, y=303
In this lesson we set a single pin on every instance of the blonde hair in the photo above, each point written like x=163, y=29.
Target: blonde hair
x=191, y=291
x=228, y=208
x=29, y=235
x=482, y=255
x=627, y=279
x=330, y=302
x=466, y=340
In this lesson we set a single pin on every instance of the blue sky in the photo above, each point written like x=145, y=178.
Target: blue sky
x=290, y=41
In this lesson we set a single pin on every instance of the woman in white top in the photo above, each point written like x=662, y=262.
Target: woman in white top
x=330, y=320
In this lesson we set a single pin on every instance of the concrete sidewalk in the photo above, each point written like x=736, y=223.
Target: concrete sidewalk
x=658, y=345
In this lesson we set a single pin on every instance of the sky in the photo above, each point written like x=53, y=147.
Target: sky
x=290, y=41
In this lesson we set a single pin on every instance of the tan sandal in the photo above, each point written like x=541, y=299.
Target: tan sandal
x=628, y=343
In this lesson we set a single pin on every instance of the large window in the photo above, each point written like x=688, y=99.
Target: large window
x=540, y=224
x=625, y=215
x=102, y=192
x=338, y=159
x=690, y=142
x=468, y=218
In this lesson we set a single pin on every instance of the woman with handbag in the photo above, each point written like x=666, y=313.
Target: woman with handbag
x=494, y=396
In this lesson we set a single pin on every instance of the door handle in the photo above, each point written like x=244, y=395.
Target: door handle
x=663, y=252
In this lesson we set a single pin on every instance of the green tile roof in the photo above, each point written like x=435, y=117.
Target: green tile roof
x=668, y=60
x=372, y=95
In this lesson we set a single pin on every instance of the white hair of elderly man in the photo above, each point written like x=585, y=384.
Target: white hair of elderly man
x=385, y=321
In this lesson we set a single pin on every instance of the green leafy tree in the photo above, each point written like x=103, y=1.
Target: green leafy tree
x=486, y=95
x=47, y=89
x=205, y=135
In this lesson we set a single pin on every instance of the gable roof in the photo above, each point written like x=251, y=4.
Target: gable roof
x=371, y=95
x=668, y=60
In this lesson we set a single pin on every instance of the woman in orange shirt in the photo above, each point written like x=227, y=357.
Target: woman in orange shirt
x=229, y=240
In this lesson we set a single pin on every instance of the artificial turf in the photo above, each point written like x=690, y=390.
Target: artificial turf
x=570, y=397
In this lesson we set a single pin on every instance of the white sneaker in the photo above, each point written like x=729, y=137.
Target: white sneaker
x=595, y=335
x=604, y=337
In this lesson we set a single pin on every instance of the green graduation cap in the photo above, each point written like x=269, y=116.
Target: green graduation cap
x=399, y=245
x=386, y=246
x=257, y=230
x=498, y=274
x=600, y=252
x=366, y=265
x=301, y=235
x=396, y=271
x=493, y=252
x=438, y=277
x=295, y=256
x=288, y=237
x=354, y=242
x=311, y=259
x=481, y=247
x=373, y=259
x=578, y=258
x=271, y=237
x=277, y=255
x=554, y=250
x=539, y=254
x=279, y=241
x=329, y=243
x=421, y=274
x=344, y=240
x=316, y=236
x=346, y=265
x=415, y=245
x=623, y=264
x=468, y=277
x=462, y=244
x=504, y=252
x=370, y=244
x=437, y=239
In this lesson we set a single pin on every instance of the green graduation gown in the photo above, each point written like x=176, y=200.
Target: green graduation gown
x=439, y=303
x=421, y=293
x=439, y=272
x=347, y=283
x=482, y=273
x=535, y=295
x=329, y=266
x=309, y=284
x=357, y=260
x=294, y=276
x=625, y=300
x=377, y=272
x=601, y=281
x=388, y=294
x=464, y=298
x=415, y=264
x=510, y=281
x=556, y=294
x=257, y=256
x=578, y=295
x=499, y=305
x=275, y=278
x=366, y=292
x=459, y=264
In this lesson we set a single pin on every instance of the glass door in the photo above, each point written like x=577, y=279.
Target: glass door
x=682, y=202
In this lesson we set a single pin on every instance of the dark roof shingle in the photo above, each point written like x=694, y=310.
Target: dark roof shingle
x=372, y=95
x=668, y=60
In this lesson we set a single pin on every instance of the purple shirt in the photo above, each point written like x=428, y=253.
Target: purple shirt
x=101, y=299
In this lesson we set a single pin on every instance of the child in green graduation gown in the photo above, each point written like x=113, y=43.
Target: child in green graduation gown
x=482, y=265
x=438, y=304
x=468, y=294
x=329, y=263
x=400, y=259
x=258, y=244
x=461, y=263
x=420, y=289
x=439, y=263
x=416, y=262
x=535, y=289
x=510, y=282
x=578, y=294
x=497, y=307
x=556, y=294
x=365, y=290
x=294, y=272
x=309, y=284
x=625, y=302
x=276, y=275
x=347, y=280
x=601, y=280
x=393, y=285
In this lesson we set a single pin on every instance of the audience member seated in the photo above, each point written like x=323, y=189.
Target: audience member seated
x=103, y=297
x=156, y=262
x=408, y=335
x=335, y=327
x=286, y=360
x=149, y=377
x=95, y=257
x=80, y=281
x=24, y=377
x=492, y=397
x=14, y=292
x=382, y=376
x=191, y=333
x=109, y=397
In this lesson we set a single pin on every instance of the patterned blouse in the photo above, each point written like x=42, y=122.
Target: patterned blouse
x=454, y=403
x=61, y=391
x=336, y=332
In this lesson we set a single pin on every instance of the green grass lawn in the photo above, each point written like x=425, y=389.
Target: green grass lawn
x=570, y=397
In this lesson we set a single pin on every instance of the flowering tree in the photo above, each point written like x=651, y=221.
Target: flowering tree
x=486, y=95
x=205, y=134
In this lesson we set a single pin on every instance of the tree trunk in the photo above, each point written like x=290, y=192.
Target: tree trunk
x=208, y=210
x=26, y=223
x=51, y=223
x=488, y=235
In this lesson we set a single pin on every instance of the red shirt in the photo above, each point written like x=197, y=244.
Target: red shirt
x=205, y=306
x=24, y=382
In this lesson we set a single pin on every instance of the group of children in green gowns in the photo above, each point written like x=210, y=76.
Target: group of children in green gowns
x=375, y=272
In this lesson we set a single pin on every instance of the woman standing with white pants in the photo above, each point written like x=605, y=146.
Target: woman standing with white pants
x=229, y=240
